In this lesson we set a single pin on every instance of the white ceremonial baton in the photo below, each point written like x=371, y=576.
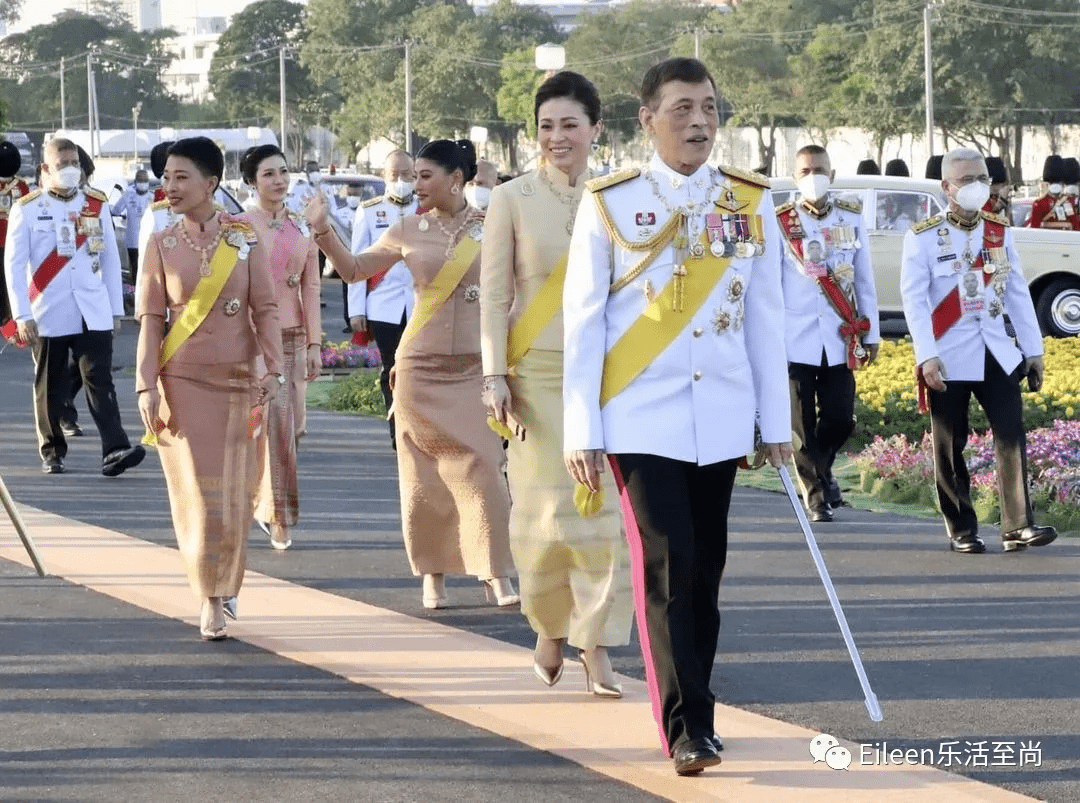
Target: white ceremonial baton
x=20, y=528
x=873, y=707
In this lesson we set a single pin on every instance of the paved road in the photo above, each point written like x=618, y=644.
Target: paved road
x=964, y=648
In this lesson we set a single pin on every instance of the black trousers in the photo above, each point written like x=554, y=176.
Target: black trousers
x=999, y=395
x=68, y=414
x=822, y=419
x=5, y=305
x=676, y=526
x=133, y=263
x=387, y=336
x=92, y=352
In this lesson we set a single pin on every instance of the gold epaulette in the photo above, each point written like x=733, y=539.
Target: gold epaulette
x=370, y=202
x=993, y=217
x=785, y=208
x=611, y=179
x=850, y=206
x=926, y=225
x=748, y=176
x=98, y=194
x=28, y=198
x=157, y=206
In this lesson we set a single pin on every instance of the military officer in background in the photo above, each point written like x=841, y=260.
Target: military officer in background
x=383, y=303
x=962, y=349
x=674, y=339
x=132, y=205
x=63, y=274
x=831, y=323
x=1052, y=209
x=157, y=215
x=478, y=191
x=1000, y=202
x=12, y=188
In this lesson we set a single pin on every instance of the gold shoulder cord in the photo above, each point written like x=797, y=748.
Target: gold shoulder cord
x=654, y=245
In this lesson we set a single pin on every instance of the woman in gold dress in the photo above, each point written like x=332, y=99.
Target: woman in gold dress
x=207, y=308
x=454, y=503
x=573, y=571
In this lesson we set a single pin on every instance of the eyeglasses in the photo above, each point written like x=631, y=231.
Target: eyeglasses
x=963, y=181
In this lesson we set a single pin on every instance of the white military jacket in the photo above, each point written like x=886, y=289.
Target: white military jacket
x=157, y=217
x=88, y=287
x=933, y=266
x=394, y=295
x=811, y=324
x=133, y=206
x=696, y=402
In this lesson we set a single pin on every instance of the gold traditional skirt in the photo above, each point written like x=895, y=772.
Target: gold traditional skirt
x=277, y=498
x=574, y=572
x=454, y=504
x=210, y=467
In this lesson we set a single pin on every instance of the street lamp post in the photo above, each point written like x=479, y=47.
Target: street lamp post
x=928, y=68
x=135, y=130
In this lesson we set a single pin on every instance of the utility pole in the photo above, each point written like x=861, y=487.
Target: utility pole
x=90, y=98
x=63, y=103
x=408, y=95
x=281, y=92
x=928, y=68
x=697, y=43
x=135, y=130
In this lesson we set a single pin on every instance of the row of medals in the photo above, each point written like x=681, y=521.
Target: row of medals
x=729, y=236
x=90, y=227
x=990, y=266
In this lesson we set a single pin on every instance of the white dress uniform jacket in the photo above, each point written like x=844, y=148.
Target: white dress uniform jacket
x=132, y=206
x=157, y=217
x=810, y=322
x=926, y=277
x=78, y=293
x=697, y=401
x=394, y=295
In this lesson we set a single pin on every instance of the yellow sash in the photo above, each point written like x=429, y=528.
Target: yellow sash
x=441, y=287
x=198, y=307
x=539, y=312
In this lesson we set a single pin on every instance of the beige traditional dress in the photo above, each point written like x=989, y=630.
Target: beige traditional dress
x=454, y=503
x=573, y=572
x=294, y=265
x=207, y=391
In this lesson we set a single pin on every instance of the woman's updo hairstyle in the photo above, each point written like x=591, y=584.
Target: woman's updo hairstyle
x=253, y=157
x=451, y=156
x=206, y=155
x=572, y=86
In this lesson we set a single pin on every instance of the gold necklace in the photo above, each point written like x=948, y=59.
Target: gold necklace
x=690, y=212
x=204, y=253
x=570, y=199
x=452, y=236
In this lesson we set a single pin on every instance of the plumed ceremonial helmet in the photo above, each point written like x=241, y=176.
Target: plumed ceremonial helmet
x=897, y=167
x=10, y=159
x=995, y=166
x=933, y=167
x=158, y=154
x=868, y=167
x=1054, y=169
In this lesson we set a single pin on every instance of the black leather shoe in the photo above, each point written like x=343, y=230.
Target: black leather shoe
x=120, y=460
x=968, y=544
x=52, y=465
x=833, y=496
x=717, y=743
x=693, y=756
x=820, y=513
x=1032, y=535
x=71, y=430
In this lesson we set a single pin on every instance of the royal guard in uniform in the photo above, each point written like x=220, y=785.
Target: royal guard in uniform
x=1072, y=190
x=897, y=167
x=159, y=154
x=959, y=277
x=673, y=346
x=12, y=188
x=933, y=168
x=382, y=304
x=157, y=216
x=1052, y=209
x=63, y=275
x=831, y=323
x=1000, y=202
x=867, y=167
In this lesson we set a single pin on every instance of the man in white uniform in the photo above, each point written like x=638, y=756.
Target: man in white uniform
x=63, y=274
x=132, y=205
x=962, y=349
x=674, y=344
x=383, y=303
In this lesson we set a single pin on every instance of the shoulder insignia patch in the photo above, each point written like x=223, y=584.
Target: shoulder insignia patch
x=849, y=205
x=157, y=206
x=747, y=176
x=98, y=194
x=28, y=198
x=603, y=182
x=993, y=217
x=926, y=225
x=370, y=202
x=784, y=208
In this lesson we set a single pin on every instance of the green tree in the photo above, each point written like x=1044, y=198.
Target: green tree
x=10, y=11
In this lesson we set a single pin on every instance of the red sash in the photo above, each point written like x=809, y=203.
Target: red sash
x=854, y=326
x=948, y=311
x=54, y=263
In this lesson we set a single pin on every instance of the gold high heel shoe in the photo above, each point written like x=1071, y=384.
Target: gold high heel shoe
x=212, y=621
x=549, y=675
x=500, y=591
x=593, y=685
x=434, y=591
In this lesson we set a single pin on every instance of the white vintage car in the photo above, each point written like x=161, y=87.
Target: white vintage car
x=1051, y=259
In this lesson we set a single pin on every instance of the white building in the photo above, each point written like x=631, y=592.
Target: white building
x=188, y=75
x=145, y=15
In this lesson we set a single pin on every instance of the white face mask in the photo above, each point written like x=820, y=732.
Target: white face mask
x=478, y=196
x=1072, y=189
x=972, y=197
x=353, y=201
x=314, y=177
x=1055, y=189
x=399, y=189
x=67, y=178
x=813, y=187
x=141, y=187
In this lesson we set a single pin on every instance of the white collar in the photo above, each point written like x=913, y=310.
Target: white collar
x=673, y=180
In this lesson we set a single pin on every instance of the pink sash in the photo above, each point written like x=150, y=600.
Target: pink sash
x=283, y=247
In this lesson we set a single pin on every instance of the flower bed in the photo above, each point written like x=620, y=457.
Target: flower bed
x=345, y=355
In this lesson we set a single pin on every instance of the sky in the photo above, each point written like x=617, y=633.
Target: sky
x=174, y=12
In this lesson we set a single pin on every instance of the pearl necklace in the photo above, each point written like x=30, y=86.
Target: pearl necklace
x=452, y=236
x=204, y=253
x=570, y=199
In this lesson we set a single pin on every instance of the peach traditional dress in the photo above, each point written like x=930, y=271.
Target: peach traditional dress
x=294, y=266
x=207, y=392
x=455, y=507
